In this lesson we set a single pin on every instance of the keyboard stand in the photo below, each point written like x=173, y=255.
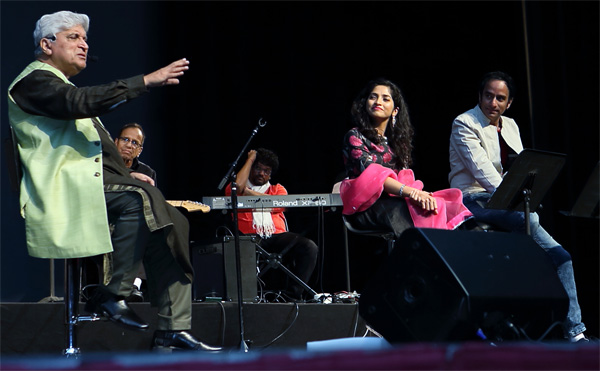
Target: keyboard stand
x=274, y=261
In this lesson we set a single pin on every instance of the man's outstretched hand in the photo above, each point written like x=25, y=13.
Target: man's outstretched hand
x=167, y=75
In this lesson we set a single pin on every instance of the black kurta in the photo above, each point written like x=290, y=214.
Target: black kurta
x=140, y=167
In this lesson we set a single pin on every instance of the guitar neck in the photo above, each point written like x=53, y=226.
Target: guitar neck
x=190, y=206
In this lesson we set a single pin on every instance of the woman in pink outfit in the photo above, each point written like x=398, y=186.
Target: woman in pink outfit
x=380, y=191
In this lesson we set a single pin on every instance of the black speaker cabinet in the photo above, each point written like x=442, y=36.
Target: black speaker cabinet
x=440, y=285
x=215, y=273
x=209, y=272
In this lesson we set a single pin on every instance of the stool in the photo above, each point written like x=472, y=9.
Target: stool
x=72, y=317
x=72, y=266
x=387, y=235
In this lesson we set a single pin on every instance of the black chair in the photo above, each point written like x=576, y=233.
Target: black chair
x=387, y=235
x=72, y=284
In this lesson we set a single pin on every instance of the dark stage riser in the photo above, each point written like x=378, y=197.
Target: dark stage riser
x=38, y=328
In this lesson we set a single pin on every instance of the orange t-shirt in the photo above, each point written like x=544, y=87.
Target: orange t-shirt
x=245, y=219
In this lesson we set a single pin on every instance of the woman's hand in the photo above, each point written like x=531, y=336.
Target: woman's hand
x=424, y=199
x=167, y=75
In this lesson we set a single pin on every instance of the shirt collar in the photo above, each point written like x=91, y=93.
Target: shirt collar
x=482, y=117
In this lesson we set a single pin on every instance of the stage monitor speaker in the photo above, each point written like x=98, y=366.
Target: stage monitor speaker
x=215, y=273
x=209, y=276
x=248, y=268
x=440, y=285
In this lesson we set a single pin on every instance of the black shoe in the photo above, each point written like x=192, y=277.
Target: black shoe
x=179, y=340
x=108, y=305
x=136, y=296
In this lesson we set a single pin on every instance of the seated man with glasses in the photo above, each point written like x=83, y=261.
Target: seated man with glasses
x=130, y=143
x=253, y=180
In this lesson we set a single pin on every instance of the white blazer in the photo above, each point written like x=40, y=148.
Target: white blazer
x=475, y=164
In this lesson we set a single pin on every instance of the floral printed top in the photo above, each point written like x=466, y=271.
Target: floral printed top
x=359, y=152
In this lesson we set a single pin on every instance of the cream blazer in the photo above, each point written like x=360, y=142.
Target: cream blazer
x=475, y=164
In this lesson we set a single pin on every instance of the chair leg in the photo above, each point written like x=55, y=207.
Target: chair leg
x=347, y=257
x=72, y=274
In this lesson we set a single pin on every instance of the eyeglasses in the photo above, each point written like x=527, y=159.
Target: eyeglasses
x=263, y=170
x=133, y=142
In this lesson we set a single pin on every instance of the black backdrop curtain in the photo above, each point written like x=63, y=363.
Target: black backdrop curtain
x=298, y=65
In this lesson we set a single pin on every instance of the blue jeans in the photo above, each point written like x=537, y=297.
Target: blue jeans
x=514, y=221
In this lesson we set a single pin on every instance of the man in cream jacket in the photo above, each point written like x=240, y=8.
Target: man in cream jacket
x=481, y=144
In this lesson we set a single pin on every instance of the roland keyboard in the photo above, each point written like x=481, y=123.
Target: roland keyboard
x=268, y=202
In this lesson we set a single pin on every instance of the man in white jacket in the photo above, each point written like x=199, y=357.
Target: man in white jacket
x=481, y=143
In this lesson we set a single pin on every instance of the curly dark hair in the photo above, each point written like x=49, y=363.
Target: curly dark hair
x=399, y=135
x=267, y=158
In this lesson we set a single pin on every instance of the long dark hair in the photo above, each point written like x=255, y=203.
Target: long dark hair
x=399, y=135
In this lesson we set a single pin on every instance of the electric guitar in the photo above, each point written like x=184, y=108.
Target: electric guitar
x=190, y=206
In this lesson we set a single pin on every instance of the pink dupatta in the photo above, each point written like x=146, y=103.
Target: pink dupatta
x=360, y=193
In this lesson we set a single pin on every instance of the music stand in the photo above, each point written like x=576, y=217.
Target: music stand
x=586, y=205
x=527, y=182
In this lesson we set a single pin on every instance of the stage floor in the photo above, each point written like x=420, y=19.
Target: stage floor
x=339, y=354
x=279, y=336
x=34, y=328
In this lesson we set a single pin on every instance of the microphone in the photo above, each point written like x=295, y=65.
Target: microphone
x=93, y=58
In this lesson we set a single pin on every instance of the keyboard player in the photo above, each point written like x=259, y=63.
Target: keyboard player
x=253, y=179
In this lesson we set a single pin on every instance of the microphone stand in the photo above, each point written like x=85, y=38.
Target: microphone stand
x=230, y=177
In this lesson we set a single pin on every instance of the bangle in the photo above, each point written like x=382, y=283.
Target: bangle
x=401, y=189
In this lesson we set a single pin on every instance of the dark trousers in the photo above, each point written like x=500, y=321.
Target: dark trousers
x=133, y=243
x=387, y=213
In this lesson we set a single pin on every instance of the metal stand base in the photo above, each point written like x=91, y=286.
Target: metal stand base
x=72, y=317
x=274, y=261
x=52, y=298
